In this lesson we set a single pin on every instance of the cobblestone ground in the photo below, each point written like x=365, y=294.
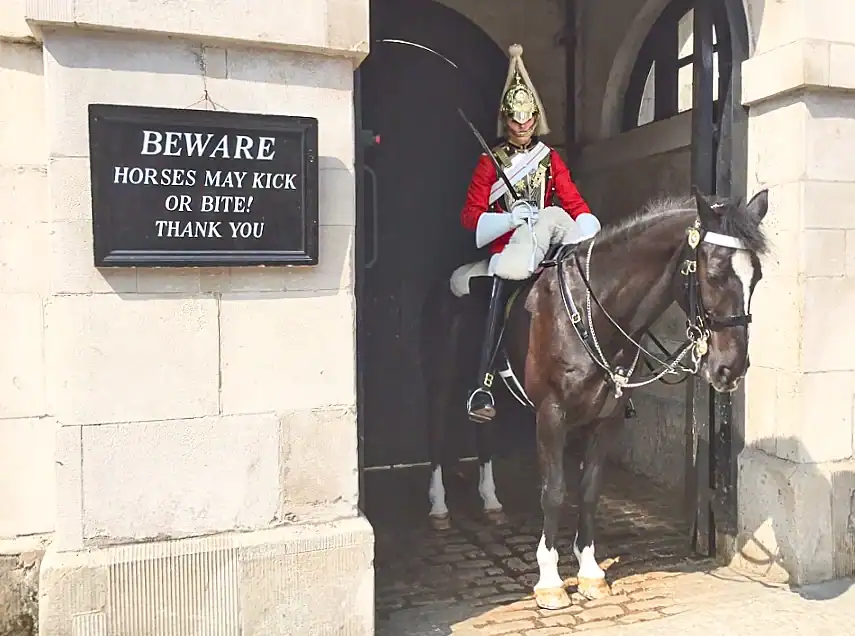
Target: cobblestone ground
x=476, y=579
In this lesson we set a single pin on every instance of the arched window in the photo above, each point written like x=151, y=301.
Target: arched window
x=660, y=85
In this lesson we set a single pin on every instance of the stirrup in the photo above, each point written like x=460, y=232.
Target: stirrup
x=485, y=412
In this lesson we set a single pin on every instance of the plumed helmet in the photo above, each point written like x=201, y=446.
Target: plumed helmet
x=520, y=101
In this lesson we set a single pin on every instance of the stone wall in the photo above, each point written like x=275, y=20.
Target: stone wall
x=797, y=475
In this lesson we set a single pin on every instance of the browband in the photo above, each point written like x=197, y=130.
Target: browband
x=725, y=241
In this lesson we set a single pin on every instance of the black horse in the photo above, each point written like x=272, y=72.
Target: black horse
x=572, y=338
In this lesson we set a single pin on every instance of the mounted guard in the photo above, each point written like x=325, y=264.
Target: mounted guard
x=543, y=196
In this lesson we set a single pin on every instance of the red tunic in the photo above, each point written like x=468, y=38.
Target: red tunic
x=559, y=187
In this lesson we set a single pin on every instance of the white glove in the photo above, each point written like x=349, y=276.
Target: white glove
x=521, y=211
x=588, y=224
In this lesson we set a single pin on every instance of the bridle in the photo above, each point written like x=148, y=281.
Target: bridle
x=699, y=322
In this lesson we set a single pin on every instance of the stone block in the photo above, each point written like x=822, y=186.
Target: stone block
x=829, y=134
x=829, y=205
x=333, y=272
x=776, y=337
x=336, y=186
x=827, y=427
x=169, y=280
x=179, y=477
x=23, y=251
x=794, y=65
x=824, y=252
x=107, y=360
x=68, y=534
x=336, y=27
x=776, y=137
x=761, y=398
x=23, y=193
x=287, y=352
x=23, y=138
x=70, y=266
x=70, y=184
x=319, y=464
x=26, y=476
x=13, y=26
x=842, y=65
x=850, y=253
x=22, y=356
x=785, y=520
x=296, y=84
x=106, y=68
x=828, y=339
x=828, y=20
x=276, y=581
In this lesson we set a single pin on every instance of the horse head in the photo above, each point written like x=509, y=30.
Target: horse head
x=722, y=271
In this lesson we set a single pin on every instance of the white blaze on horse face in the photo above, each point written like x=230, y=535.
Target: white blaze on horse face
x=487, y=488
x=547, y=561
x=744, y=269
x=436, y=494
x=588, y=566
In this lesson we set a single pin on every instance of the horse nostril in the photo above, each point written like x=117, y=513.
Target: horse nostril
x=725, y=374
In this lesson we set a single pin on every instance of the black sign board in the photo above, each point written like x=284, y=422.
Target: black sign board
x=185, y=188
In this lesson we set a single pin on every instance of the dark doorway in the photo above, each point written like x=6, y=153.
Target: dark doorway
x=411, y=193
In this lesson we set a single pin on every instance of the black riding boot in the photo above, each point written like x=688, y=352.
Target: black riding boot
x=481, y=406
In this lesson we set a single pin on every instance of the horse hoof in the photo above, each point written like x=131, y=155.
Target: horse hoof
x=594, y=588
x=440, y=522
x=496, y=517
x=552, y=598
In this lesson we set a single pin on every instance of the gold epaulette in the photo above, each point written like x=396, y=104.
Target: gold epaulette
x=501, y=154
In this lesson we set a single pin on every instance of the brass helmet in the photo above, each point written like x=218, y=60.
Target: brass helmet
x=520, y=101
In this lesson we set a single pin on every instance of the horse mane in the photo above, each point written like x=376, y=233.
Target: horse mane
x=736, y=221
x=654, y=212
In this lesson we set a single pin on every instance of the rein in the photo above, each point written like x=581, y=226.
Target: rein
x=699, y=323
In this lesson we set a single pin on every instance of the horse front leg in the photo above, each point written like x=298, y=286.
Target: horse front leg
x=493, y=509
x=549, y=591
x=591, y=578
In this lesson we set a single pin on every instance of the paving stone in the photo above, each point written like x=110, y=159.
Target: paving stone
x=491, y=569
x=503, y=628
x=592, y=626
x=638, y=618
x=643, y=606
x=600, y=613
x=563, y=620
x=614, y=599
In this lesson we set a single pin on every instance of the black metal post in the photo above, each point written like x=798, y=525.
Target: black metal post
x=698, y=434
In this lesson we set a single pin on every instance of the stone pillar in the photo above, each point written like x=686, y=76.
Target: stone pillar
x=797, y=473
x=206, y=463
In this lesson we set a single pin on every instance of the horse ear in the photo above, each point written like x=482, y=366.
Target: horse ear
x=758, y=205
x=705, y=211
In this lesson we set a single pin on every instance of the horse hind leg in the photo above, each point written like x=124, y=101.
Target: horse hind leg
x=439, y=517
x=440, y=388
x=493, y=509
x=549, y=592
x=591, y=577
